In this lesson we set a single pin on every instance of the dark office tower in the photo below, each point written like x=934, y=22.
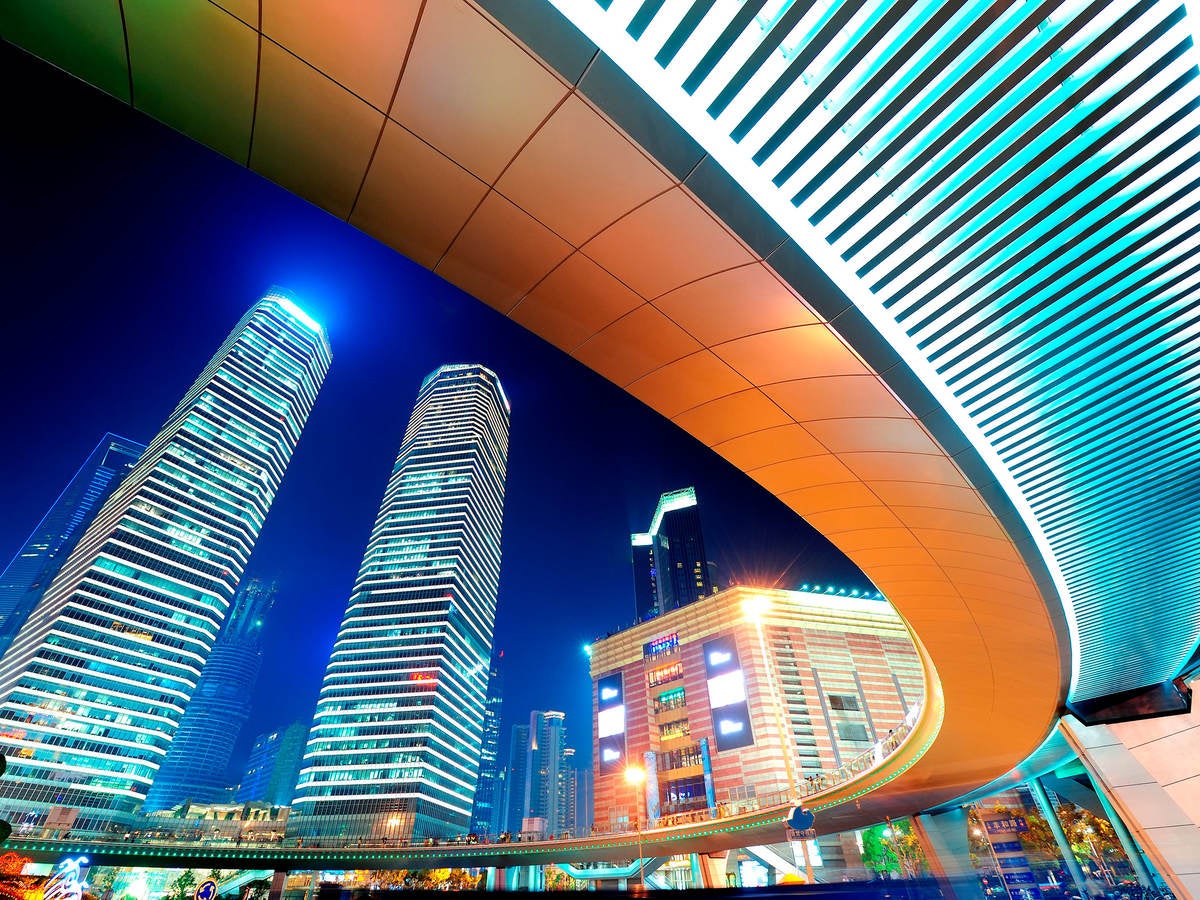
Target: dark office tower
x=487, y=794
x=196, y=767
x=670, y=568
x=515, y=779
x=273, y=766
x=538, y=797
x=94, y=685
x=395, y=744
x=26, y=578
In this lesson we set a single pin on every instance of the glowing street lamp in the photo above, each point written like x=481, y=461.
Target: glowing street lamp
x=636, y=776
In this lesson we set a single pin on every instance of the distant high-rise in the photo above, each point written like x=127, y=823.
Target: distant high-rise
x=485, y=811
x=515, y=779
x=26, y=578
x=96, y=682
x=670, y=568
x=538, y=774
x=274, y=766
x=196, y=767
x=579, y=796
x=395, y=744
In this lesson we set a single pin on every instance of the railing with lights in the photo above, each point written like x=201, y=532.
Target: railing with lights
x=678, y=820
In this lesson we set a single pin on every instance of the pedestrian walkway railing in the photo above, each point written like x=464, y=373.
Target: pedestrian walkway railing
x=670, y=816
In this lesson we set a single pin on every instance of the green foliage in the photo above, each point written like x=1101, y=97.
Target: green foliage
x=876, y=853
x=182, y=887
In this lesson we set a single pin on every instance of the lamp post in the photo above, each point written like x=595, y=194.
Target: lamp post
x=636, y=776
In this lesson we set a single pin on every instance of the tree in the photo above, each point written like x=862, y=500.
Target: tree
x=877, y=855
x=183, y=886
x=13, y=884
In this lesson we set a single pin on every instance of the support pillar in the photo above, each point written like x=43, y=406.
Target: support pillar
x=278, y=883
x=712, y=869
x=1060, y=838
x=943, y=837
x=494, y=879
x=1149, y=773
x=1132, y=852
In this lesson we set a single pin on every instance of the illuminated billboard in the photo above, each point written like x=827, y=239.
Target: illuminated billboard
x=610, y=721
x=727, y=695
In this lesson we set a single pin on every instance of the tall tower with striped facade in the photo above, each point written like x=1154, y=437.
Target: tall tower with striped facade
x=395, y=744
x=96, y=682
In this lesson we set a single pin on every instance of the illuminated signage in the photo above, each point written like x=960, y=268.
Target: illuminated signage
x=727, y=689
x=664, y=644
x=66, y=883
x=610, y=721
x=727, y=695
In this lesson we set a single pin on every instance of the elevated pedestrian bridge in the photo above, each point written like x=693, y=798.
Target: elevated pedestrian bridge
x=926, y=272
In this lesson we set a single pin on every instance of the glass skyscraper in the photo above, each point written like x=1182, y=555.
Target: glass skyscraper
x=395, y=745
x=96, y=682
x=485, y=813
x=538, y=775
x=26, y=578
x=196, y=767
x=670, y=568
x=274, y=766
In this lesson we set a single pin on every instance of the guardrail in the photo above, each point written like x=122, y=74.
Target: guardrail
x=673, y=818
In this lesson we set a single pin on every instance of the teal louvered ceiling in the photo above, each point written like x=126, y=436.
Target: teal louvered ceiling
x=1010, y=192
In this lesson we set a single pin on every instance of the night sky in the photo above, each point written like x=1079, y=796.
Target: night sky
x=130, y=252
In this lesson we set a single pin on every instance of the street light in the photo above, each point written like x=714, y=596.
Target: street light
x=636, y=776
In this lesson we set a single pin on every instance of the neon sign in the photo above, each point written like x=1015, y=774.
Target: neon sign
x=67, y=882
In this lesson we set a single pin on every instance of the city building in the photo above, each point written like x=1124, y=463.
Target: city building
x=95, y=684
x=273, y=766
x=579, y=796
x=723, y=701
x=485, y=812
x=515, y=777
x=196, y=767
x=538, y=758
x=25, y=579
x=670, y=567
x=395, y=744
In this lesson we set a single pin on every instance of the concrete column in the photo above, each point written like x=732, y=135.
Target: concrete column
x=1132, y=852
x=278, y=883
x=712, y=869
x=1149, y=772
x=943, y=837
x=1060, y=838
x=494, y=880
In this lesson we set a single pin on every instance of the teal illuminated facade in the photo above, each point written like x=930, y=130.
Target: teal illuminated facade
x=196, y=767
x=94, y=686
x=394, y=750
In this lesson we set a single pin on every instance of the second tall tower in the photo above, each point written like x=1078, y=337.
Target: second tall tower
x=394, y=749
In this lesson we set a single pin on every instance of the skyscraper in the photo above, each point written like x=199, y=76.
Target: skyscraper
x=196, y=767
x=515, y=779
x=670, y=568
x=26, y=578
x=485, y=811
x=395, y=744
x=94, y=685
x=538, y=780
x=274, y=766
x=579, y=797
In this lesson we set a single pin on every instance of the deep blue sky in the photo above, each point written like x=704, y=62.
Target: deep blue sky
x=130, y=252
